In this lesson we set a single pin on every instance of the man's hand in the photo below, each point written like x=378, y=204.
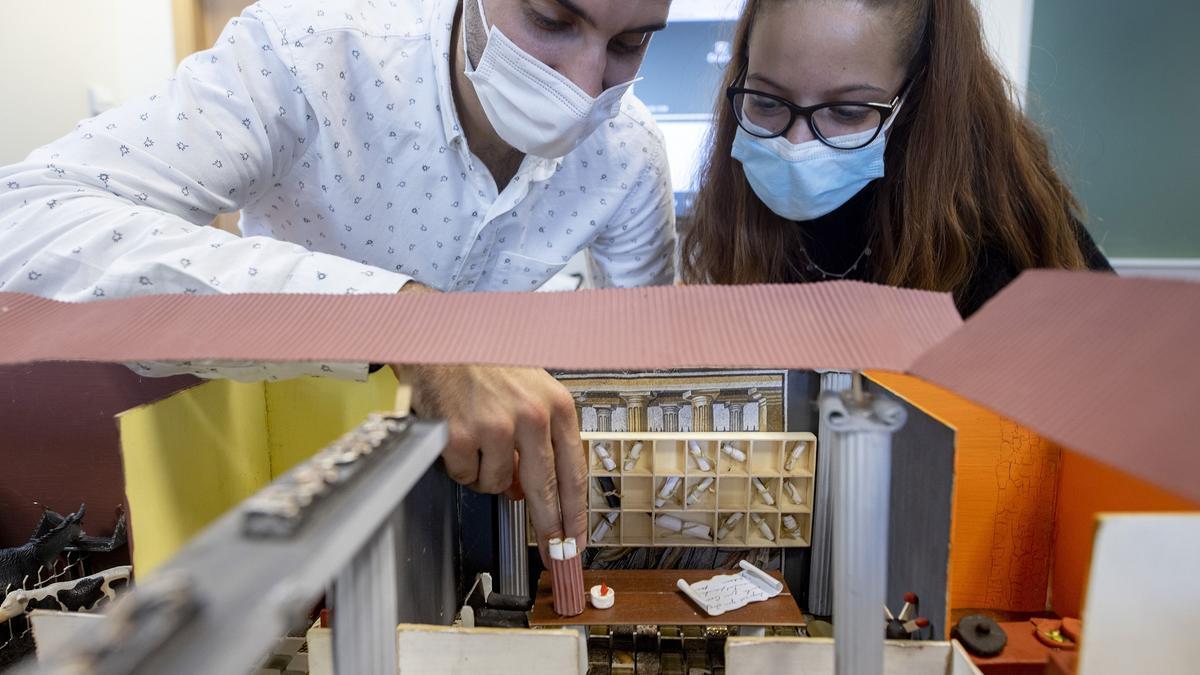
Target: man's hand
x=491, y=412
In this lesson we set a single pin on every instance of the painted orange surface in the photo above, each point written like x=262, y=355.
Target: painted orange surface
x=1088, y=488
x=1002, y=525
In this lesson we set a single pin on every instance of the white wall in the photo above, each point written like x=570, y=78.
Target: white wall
x=53, y=52
x=1008, y=25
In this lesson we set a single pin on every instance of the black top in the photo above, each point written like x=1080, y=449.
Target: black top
x=834, y=243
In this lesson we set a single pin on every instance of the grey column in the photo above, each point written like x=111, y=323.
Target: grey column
x=862, y=471
x=514, y=552
x=820, y=579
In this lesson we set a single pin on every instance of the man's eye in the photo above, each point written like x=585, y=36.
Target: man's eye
x=628, y=44
x=543, y=22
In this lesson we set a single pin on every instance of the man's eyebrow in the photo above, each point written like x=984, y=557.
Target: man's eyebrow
x=580, y=12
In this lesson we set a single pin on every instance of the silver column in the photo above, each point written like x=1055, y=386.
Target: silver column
x=514, y=555
x=820, y=580
x=863, y=429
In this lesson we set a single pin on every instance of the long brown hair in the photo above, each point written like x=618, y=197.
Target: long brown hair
x=980, y=173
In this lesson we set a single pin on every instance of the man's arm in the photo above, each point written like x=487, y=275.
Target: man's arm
x=119, y=207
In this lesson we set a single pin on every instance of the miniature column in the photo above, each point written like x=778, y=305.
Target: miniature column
x=702, y=414
x=862, y=428
x=635, y=406
x=603, y=418
x=820, y=579
x=514, y=554
x=670, y=413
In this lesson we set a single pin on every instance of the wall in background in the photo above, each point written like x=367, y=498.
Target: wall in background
x=1114, y=85
x=56, y=52
x=1008, y=25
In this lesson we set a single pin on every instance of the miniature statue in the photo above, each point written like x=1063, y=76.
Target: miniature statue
x=54, y=535
x=69, y=596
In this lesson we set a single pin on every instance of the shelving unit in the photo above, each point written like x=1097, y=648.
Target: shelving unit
x=724, y=488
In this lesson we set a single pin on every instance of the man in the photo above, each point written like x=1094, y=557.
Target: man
x=375, y=147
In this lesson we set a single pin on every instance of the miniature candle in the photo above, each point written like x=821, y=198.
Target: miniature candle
x=793, y=492
x=763, y=526
x=605, y=457
x=602, y=596
x=634, y=453
x=697, y=454
x=698, y=491
x=763, y=492
x=606, y=522
x=733, y=453
x=794, y=457
x=727, y=526
x=668, y=488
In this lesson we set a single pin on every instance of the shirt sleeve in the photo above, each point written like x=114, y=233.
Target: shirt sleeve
x=120, y=206
x=638, y=247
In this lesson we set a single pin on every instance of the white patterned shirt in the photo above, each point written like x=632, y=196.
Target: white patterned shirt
x=331, y=125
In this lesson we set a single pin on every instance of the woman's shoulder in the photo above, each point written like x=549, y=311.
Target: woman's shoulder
x=994, y=269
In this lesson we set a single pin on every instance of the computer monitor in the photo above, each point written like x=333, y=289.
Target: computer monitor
x=682, y=75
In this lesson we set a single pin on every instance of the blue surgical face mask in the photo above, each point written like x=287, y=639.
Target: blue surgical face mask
x=809, y=180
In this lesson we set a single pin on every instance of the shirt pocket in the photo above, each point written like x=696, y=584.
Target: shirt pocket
x=516, y=272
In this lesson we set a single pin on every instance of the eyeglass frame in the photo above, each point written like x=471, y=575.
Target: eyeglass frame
x=886, y=111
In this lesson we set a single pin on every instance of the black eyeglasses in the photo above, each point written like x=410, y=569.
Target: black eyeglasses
x=848, y=125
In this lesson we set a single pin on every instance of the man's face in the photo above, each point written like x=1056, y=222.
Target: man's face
x=594, y=43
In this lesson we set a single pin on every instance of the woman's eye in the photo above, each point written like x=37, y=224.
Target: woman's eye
x=850, y=113
x=764, y=105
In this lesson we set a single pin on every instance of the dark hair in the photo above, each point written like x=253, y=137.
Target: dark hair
x=964, y=168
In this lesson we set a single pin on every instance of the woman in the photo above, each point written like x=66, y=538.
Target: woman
x=876, y=140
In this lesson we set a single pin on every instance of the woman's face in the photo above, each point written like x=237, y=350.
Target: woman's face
x=824, y=51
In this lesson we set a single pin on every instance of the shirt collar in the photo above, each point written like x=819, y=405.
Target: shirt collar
x=442, y=40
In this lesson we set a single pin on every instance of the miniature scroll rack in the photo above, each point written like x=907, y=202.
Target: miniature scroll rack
x=743, y=489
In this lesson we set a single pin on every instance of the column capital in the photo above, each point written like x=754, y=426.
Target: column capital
x=702, y=397
x=636, y=400
x=768, y=395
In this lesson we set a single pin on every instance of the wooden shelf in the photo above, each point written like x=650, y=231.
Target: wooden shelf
x=664, y=456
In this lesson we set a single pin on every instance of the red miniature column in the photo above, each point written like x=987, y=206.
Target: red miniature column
x=566, y=574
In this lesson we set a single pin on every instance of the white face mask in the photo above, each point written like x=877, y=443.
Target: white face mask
x=806, y=181
x=533, y=107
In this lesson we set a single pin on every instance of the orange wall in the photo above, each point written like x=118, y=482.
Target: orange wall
x=1002, y=526
x=1087, y=488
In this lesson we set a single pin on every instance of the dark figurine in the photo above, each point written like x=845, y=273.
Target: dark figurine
x=54, y=535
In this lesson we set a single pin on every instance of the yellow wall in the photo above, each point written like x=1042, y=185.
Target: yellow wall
x=191, y=457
